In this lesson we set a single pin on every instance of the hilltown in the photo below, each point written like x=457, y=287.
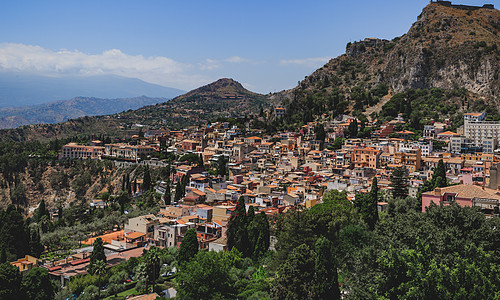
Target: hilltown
x=276, y=173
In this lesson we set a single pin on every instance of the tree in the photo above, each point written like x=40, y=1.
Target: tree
x=326, y=278
x=168, y=192
x=320, y=133
x=352, y=129
x=399, y=182
x=10, y=282
x=208, y=276
x=14, y=236
x=221, y=166
x=153, y=262
x=37, y=285
x=96, y=255
x=258, y=235
x=189, y=246
x=146, y=183
x=179, y=191
x=237, y=235
x=3, y=256
x=439, y=175
x=99, y=269
x=295, y=276
x=367, y=205
x=36, y=247
x=41, y=211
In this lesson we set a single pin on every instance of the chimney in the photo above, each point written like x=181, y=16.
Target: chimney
x=437, y=192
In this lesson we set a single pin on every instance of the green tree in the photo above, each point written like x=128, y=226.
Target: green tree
x=367, y=205
x=99, y=269
x=41, y=211
x=221, y=166
x=3, y=256
x=168, y=192
x=37, y=285
x=352, y=129
x=179, y=192
x=36, y=247
x=10, y=282
x=399, y=182
x=153, y=263
x=258, y=235
x=237, y=235
x=96, y=255
x=208, y=276
x=189, y=246
x=439, y=175
x=326, y=277
x=146, y=183
x=320, y=132
x=294, y=278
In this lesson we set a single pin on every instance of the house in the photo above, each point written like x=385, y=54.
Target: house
x=142, y=224
x=26, y=263
x=464, y=195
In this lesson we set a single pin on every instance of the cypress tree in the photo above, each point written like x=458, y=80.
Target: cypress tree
x=36, y=247
x=168, y=193
x=325, y=284
x=399, y=182
x=189, y=246
x=96, y=255
x=3, y=256
x=146, y=183
x=237, y=235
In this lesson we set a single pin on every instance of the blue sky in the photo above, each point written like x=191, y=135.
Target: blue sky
x=266, y=45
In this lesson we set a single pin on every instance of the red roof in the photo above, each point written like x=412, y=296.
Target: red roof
x=80, y=261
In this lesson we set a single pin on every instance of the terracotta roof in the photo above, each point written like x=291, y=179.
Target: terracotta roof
x=135, y=235
x=468, y=191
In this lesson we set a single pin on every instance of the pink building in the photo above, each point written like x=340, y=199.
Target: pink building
x=464, y=195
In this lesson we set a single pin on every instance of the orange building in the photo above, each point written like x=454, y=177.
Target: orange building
x=367, y=157
x=411, y=159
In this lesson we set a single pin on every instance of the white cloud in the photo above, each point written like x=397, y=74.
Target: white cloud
x=309, y=62
x=237, y=60
x=154, y=69
x=209, y=64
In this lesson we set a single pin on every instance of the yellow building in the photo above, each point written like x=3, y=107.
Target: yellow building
x=411, y=159
x=25, y=264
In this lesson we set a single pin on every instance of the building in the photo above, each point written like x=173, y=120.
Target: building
x=279, y=112
x=367, y=157
x=464, y=195
x=170, y=235
x=73, y=150
x=142, y=224
x=481, y=133
x=26, y=263
x=410, y=158
x=125, y=151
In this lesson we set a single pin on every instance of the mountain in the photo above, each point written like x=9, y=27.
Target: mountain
x=222, y=98
x=20, y=89
x=60, y=111
x=452, y=48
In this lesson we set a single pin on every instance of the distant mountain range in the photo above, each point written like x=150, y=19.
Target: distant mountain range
x=20, y=89
x=60, y=111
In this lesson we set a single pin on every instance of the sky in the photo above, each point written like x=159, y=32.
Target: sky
x=267, y=46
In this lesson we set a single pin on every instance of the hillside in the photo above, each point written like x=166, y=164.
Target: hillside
x=448, y=47
x=20, y=89
x=223, y=98
x=60, y=111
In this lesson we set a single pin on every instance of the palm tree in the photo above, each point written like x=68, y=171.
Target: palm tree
x=153, y=258
x=99, y=269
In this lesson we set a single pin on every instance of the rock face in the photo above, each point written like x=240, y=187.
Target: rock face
x=448, y=47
